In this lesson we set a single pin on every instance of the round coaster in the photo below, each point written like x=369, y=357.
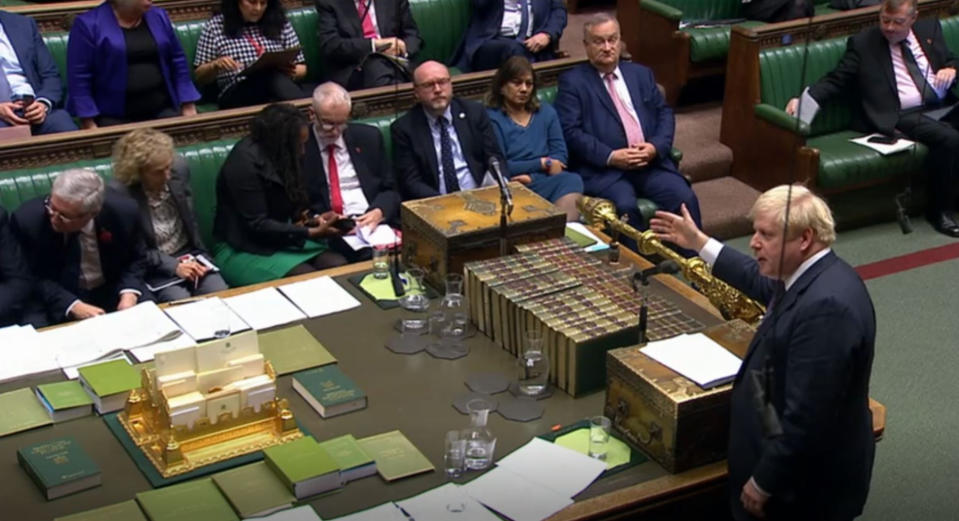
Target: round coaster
x=470, y=328
x=447, y=349
x=489, y=383
x=460, y=402
x=520, y=409
x=545, y=393
x=407, y=344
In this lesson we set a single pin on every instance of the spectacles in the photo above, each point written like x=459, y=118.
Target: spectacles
x=58, y=215
x=898, y=22
x=430, y=85
x=331, y=125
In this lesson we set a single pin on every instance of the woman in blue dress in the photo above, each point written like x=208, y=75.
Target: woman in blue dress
x=530, y=136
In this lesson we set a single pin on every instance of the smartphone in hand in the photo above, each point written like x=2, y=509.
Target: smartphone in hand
x=883, y=140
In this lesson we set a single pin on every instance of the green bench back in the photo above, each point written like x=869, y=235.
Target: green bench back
x=441, y=24
x=721, y=9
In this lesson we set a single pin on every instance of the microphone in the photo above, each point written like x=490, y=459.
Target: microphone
x=641, y=278
x=497, y=170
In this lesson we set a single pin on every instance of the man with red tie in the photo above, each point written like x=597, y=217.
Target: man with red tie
x=346, y=166
x=360, y=39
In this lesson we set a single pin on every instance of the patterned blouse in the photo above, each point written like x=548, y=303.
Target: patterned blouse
x=167, y=225
x=244, y=49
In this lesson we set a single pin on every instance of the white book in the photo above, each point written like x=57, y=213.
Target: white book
x=697, y=357
x=319, y=296
x=199, y=318
x=264, y=308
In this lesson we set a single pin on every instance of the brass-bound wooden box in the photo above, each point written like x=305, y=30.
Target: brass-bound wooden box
x=442, y=233
x=668, y=417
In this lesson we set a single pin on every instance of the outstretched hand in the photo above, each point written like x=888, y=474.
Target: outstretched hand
x=679, y=230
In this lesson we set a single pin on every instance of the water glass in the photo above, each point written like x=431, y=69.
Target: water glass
x=533, y=361
x=415, y=298
x=454, y=456
x=598, y=437
x=381, y=263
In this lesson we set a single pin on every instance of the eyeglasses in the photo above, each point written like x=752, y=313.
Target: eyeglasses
x=331, y=125
x=430, y=85
x=59, y=216
x=898, y=22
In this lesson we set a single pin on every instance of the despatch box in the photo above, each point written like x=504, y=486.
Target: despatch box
x=442, y=233
x=667, y=416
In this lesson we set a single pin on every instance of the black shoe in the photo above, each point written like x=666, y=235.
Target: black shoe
x=944, y=223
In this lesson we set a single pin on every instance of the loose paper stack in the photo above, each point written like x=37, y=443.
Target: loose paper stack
x=198, y=319
x=264, y=308
x=697, y=357
x=319, y=296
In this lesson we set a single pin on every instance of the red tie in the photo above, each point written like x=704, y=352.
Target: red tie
x=336, y=198
x=368, y=30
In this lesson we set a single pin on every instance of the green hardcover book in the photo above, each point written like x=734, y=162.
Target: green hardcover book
x=125, y=511
x=395, y=455
x=304, y=466
x=254, y=490
x=353, y=461
x=197, y=500
x=21, y=411
x=65, y=400
x=293, y=349
x=329, y=391
x=109, y=383
x=59, y=467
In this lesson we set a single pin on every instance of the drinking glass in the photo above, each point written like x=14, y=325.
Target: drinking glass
x=598, y=437
x=533, y=364
x=381, y=263
x=454, y=305
x=454, y=459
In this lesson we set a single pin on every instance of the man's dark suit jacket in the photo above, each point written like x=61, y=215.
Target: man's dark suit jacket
x=55, y=258
x=253, y=211
x=159, y=265
x=549, y=16
x=414, y=155
x=819, y=342
x=368, y=154
x=35, y=59
x=15, y=281
x=592, y=126
x=340, y=33
x=865, y=73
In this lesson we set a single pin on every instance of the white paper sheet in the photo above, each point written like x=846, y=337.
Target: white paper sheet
x=264, y=308
x=198, y=319
x=147, y=353
x=380, y=236
x=431, y=505
x=303, y=513
x=557, y=468
x=808, y=107
x=73, y=372
x=898, y=146
x=697, y=357
x=319, y=296
x=24, y=353
x=581, y=228
x=514, y=496
x=384, y=512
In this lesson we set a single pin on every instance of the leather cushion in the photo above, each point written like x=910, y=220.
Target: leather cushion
x=843, y=163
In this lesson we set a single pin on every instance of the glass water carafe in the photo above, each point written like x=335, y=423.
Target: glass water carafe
x=480, y=442
x=533, y=361
x=454, y=308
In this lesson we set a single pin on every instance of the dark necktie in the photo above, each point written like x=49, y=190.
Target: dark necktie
x=523, y=20
x=929, y=96
x=446, y=156
x=778, y=292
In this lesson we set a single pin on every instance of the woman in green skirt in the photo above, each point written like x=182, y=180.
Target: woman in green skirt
x=263, y=226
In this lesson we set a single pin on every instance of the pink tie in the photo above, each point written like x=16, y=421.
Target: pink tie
x=368, y=30
x=634, y=132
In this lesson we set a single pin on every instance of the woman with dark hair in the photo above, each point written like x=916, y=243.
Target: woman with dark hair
x=235, y=39
x=531, y=137
x=262, y=218
x=125, y=63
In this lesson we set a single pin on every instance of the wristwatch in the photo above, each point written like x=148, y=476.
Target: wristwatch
x=549, y=163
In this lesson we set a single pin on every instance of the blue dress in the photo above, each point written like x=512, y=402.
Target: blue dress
x=524, y=146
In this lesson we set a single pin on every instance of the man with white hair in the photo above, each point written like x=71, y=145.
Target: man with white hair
x=346, y=166
x=85, y=248
x=800, y=441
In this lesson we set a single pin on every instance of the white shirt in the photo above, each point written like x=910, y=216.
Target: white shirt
x=713, y=248
x=10, y=65
x=354, y=201
x=463, y=175
x=513, y=18
x=372, y=14
x=909, y=94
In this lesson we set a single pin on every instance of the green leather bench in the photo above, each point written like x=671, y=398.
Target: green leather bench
x=441, y=24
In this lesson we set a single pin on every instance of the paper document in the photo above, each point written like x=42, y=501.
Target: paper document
x=432, y=505
x=73, y=372
x=808, y=107
x=557, y=468
x=24, y=353
x=303, y=513
x=198, y=319
x=264, y=308
x=697, y=357
x=384, y=512
x=515, y=496
x=319, y=296
x=147, y=353
x=379, y=237
x=900, y=145
x=583, y=230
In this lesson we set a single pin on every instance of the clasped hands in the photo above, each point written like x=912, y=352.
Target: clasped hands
x=322, y=225
x=537, y=42
x=633, y=157
x=397, y=47
x=33, y=114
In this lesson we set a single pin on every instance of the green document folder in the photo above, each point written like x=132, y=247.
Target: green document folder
x=125, y=511
x=395, y=455
x=197, y=500
x=293, y=349
x=21, y=411
x=253, y=489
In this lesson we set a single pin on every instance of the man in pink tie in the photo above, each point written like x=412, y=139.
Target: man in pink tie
x=347, y=169
x=364, y=43
x=619, y=130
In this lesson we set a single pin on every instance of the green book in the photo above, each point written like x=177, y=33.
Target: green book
x=396, y=457
x=254, y=490
x=21, y=411
x=59, y=467
x=304, y=466
x=65, y=400
x=125, y=511
x=197, y=500
x=353, y=461
x=109, y=383
x=293, y=349
x=329, y=391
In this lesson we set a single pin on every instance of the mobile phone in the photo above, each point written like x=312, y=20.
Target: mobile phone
x=345, y=224
x=383, y=46
x=883, y=140
x=27, y=100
